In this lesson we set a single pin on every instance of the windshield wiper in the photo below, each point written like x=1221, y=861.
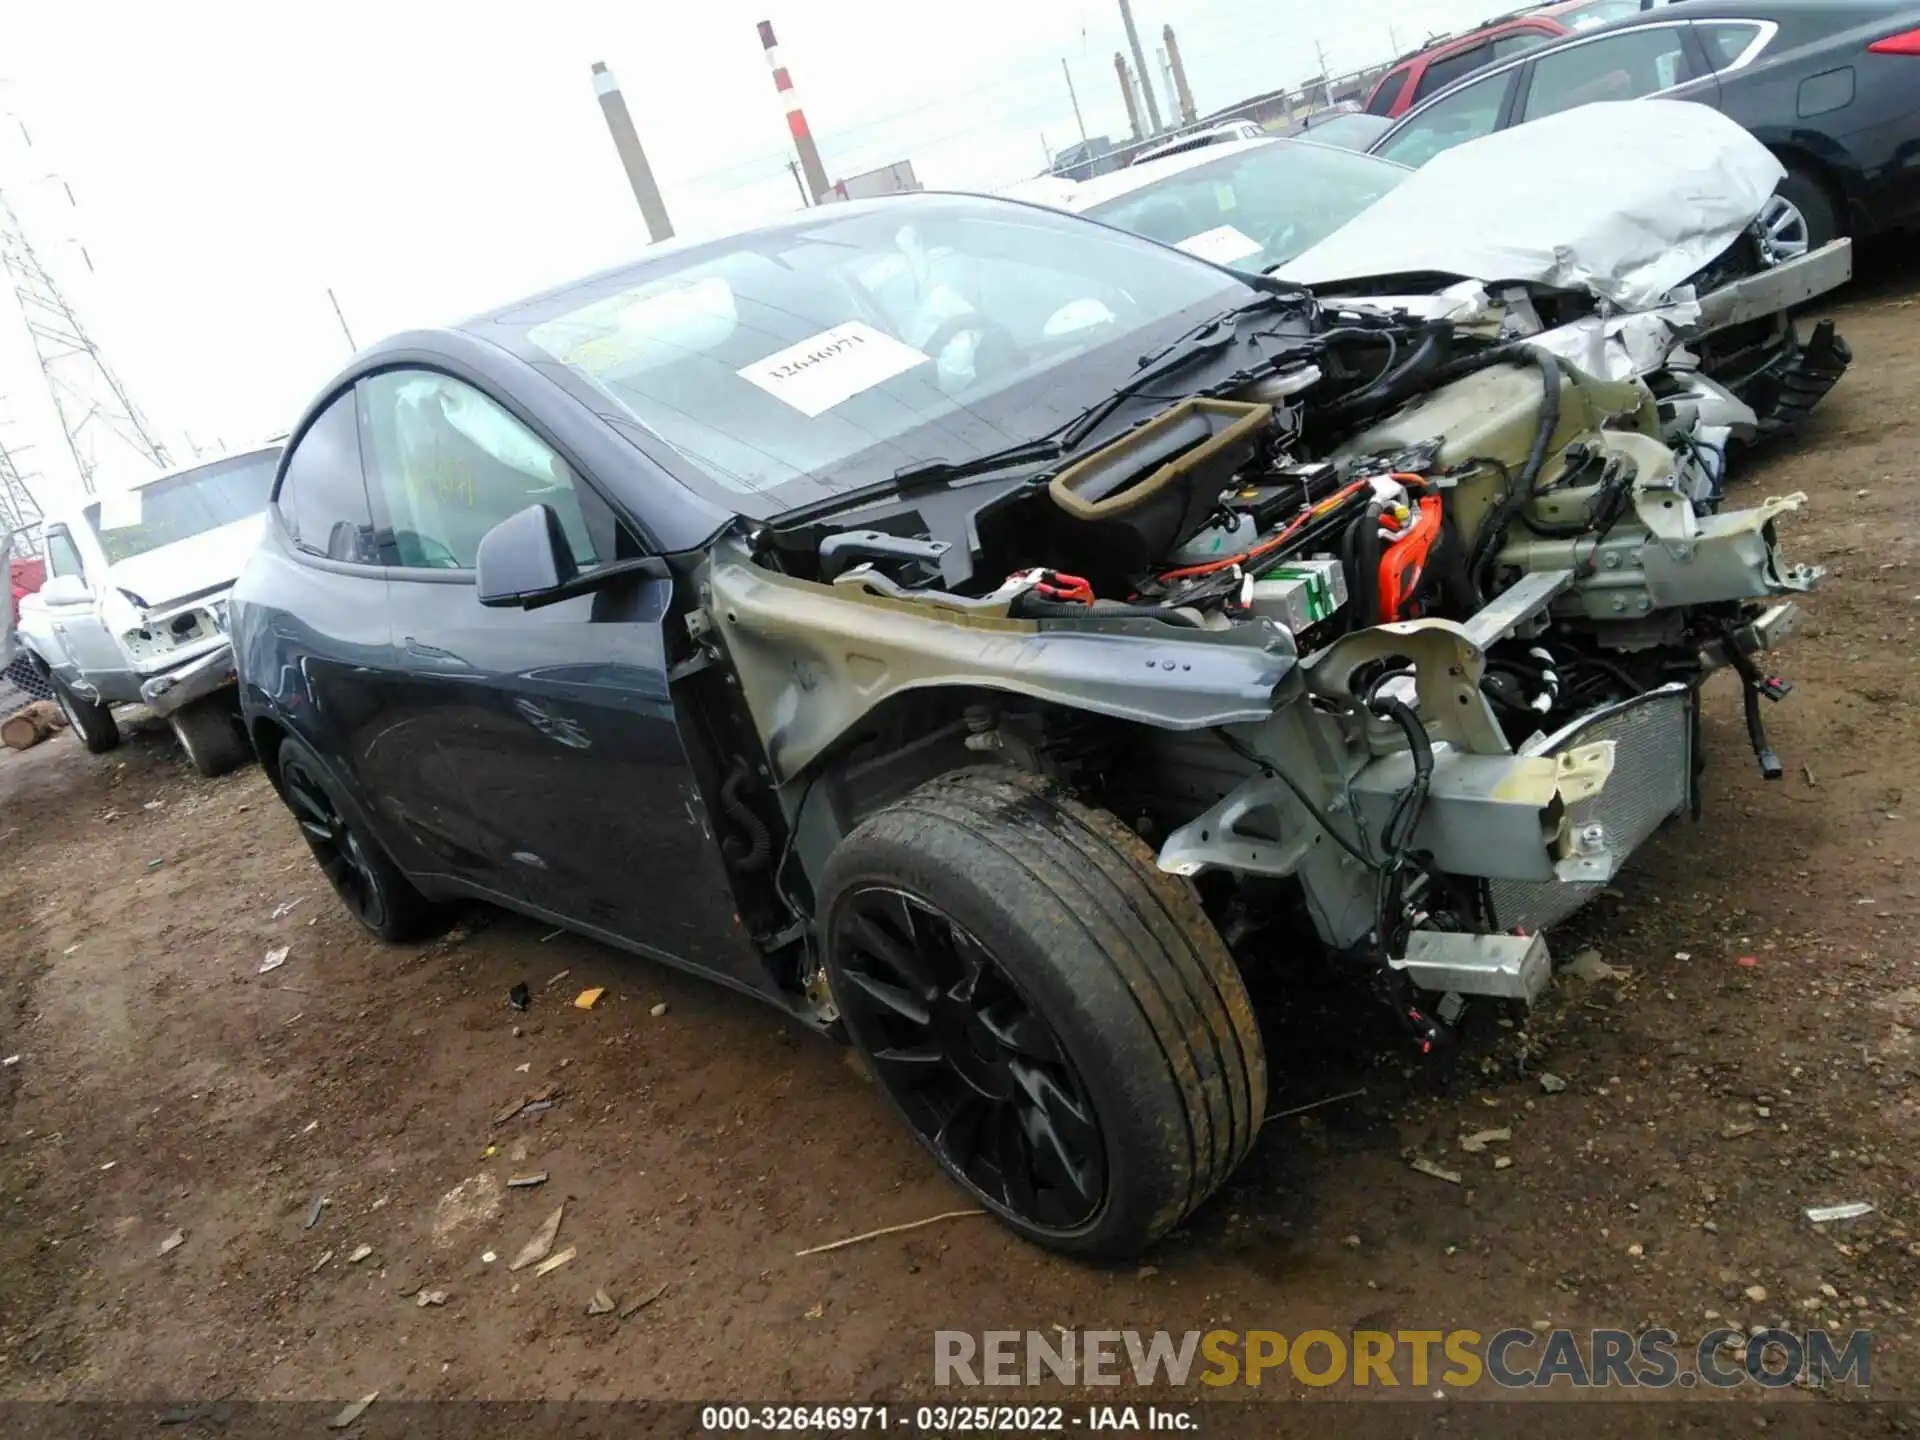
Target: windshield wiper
x=1207, y=338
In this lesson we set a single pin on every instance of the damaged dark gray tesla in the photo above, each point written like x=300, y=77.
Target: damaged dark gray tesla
x=988, y=635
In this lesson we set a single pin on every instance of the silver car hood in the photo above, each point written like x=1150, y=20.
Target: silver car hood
x=1626, y=199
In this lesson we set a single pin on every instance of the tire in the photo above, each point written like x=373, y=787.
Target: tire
x=367, y=881
x=1804, y=195
x=209, y=731
x=1088, y=1067
x=92, y=720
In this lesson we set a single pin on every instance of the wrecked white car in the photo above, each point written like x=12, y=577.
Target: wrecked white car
x=989, y=636
x=1629, y=237
x=134, y=608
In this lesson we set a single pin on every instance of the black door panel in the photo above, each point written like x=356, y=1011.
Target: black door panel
x=534, y=753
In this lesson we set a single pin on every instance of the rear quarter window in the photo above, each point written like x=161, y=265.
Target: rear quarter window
x=1387, y=91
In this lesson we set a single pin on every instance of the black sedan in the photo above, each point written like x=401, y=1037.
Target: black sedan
x=1832, y=87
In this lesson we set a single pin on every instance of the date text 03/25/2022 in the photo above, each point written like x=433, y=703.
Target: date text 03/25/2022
x=946, y=1419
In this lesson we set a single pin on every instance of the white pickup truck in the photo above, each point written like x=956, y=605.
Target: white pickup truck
x=134, y=608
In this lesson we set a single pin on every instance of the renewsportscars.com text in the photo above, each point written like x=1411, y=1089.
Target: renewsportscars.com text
x=1512, y=1359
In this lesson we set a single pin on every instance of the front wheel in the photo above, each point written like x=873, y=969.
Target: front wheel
x=1055, y=1019
x=368, y=883
x=1799, y=217
x=92, y=720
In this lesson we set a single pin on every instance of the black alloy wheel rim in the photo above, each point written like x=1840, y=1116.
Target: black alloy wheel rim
x=978, y=1072
x=335, y=844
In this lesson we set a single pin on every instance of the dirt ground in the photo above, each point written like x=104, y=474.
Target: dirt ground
x=1759, y=1058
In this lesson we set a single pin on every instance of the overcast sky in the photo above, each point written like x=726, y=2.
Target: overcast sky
x=428, y=158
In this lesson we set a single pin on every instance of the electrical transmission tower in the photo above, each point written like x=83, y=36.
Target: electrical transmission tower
x=95, y=410
x=18, y=509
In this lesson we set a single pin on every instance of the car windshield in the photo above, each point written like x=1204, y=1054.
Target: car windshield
x=135, y=521
x=1255, y=208
x=807, y=360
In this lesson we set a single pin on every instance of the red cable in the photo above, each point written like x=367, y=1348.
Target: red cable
x=1287, y=534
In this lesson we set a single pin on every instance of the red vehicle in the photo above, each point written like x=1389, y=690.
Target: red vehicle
x=1427, y=71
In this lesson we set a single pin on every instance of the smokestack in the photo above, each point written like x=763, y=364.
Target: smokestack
x=810, y=165
x=625, y=141
x=1127, y=93
x=1181, y=93
x=1140, y=67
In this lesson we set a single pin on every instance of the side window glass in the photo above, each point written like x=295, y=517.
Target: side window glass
x=323, y=494
x=1460, y=117
x=452, y=464
x=1449, y=68
x=1386, y=92
x=63, y=558
x=1619, y=67
x=1726, y=43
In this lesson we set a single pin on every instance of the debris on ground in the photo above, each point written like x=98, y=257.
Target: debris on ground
x=314, y=1212
x=467, y=1206
x=1587, y=966
x=1747, y=962
x=1551, y=1084
x=589, y=997
x=1755, y=1293
x=1737, y=1129
x=1826, y=1214
x=487, y=1257
x=885, y=1230
x=537, y=1248
x=1478, y=1141
x=273, y=959
x=554, y=1262
x=360, y=1252
x=354, y=1411
x=173, y=1242
x=552, y=935
x=536, y=1101
x=283, y=909
x=1438, y=1172
x=10, y=1061
x=600, y=1304
x=326, y=1258
x=557, y=978
x=430, y=1297
x=634, y=1307
x=527, y=1182
x=1295, y=1110
x=519, y=997
x=1501, y=1162
x=658, y=1010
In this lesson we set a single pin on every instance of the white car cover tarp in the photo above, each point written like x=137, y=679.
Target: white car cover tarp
x=1626, y=199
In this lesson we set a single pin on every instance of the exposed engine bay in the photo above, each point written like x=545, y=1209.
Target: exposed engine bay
x=1397, y=641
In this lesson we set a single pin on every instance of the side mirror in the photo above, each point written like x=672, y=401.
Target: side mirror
x=65, y=590
x=525, y=557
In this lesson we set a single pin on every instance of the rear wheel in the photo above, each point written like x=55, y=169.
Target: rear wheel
x=209, y=731
x=1055, y=1019
x=368, y=883
x=92, y=720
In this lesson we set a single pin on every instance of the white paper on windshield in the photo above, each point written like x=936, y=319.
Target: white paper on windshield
x=832, y=367
x=1222, y=245
x=120, y=510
